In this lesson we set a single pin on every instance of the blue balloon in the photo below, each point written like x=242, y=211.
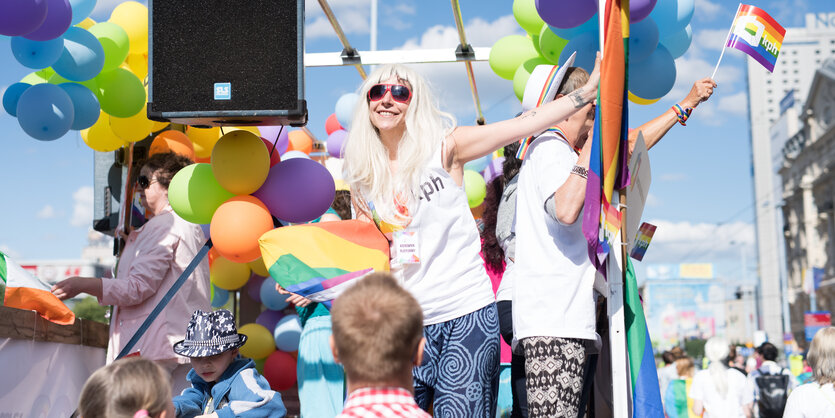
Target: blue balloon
x=653, y=77
x=590, y=25
x=643, y=38
x=81, y=9
x=12, y=95
x=85, y=103
x=287, y=333
x=270, y=296
x=479, y=164
x=82, y=57
x=586, y=44
x=672, y=16
x=220, y=297
x=345, y=109
x=679, y=42
x=45, y=112
x=37, y=54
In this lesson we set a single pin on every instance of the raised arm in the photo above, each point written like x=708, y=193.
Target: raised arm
x=571, y=196
x=471, y=142
x=655, y=129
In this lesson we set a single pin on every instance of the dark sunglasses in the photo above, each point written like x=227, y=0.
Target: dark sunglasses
x=144, y=182
x=399, y=92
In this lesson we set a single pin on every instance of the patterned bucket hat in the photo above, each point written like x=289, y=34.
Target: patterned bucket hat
x=210, y=333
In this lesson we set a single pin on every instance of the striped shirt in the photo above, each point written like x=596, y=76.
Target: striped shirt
x=381, y=402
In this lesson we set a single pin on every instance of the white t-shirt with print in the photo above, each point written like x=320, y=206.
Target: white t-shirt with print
x=732, y=405
x=553, y=295
x=811, y=401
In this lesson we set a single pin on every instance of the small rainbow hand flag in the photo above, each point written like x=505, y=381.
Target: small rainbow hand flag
x=757, y=34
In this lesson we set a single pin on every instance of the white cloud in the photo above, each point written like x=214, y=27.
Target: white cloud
x=353, y=17
x=82, y=211
x=652, y=201
x=10, y=252
x=712, y=39
x=47, y=212
x=685, y=242
x=706, y=9
x=735, y=104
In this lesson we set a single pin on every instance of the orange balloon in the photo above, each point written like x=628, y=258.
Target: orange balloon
x=236, y=226
x=213, y=254
x=300, y=141
x=206, y=160
x=332, y=124
x=172, y=141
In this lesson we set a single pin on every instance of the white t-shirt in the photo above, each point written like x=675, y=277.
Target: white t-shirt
x=554, y=296
x=450, y=281
x=732, y=405
x=811, y=401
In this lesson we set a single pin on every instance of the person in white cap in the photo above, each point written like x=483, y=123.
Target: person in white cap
x=404, y=160
x=553, y=298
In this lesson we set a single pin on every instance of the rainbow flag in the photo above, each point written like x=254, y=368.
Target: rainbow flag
x=676, y=402
x=24, y=291
x=757, y=34
x=607, y=168
x=321, y=260
x=646, y=393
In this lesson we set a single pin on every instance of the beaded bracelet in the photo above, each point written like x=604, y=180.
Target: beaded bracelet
x=682, y=113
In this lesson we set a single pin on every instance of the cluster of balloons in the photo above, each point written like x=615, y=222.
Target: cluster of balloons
x=89, y=75
x=339, y=122
x=659, y=33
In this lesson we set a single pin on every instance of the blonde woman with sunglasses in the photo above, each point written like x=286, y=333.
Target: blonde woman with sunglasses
x=404, y=160
x=154, y=257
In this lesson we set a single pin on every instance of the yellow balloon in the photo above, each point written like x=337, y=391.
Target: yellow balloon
x=259, y=341
x=229, y=275
x=240, y=162
x=138, y=64
x=100, y=137
x=637, y=100
x=86, y=23
x=133, y=18
x=133, y=128
x=253, y=129
x=259, y=268
x=204, y=140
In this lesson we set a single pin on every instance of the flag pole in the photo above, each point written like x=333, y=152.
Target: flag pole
x=725, y=44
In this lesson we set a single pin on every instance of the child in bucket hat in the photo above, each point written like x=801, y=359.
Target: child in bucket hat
x=224, y=384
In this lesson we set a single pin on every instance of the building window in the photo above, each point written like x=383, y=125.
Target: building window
x=768, y=81
x=817, y=51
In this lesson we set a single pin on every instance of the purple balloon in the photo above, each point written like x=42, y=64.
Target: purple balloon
x=297, y=190
x=336, y=140
x=19, y=17
x=270, y=133
x=269, y=319
x=493, y=170
x=639, y=9
x=58, y=18
x=566, y=14
x=253, y=287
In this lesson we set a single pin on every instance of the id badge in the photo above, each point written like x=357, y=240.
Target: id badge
x=406, y=248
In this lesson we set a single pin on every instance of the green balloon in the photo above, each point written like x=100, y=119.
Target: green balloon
x=526, y=15
x=508, y=53
x=114, y=40
x=195, y=194
x=121, y=94
x=90, y=84
x=551, y=45
x=523, y=73
x=475, y=187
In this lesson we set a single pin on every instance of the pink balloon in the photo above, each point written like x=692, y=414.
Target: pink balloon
x=336, y=141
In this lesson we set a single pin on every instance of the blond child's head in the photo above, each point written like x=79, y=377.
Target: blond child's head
x=377, y=330
x=131, y=387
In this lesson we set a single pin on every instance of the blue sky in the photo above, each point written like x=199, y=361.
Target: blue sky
x=701, y=196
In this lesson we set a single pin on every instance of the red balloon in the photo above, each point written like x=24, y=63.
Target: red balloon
x=274, y=157
x=332, y=124
x=280, y=370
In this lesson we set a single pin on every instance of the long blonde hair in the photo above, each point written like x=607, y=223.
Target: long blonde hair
x=125, y=387
x=716, y=351
x=367, y=166
x=821, y=356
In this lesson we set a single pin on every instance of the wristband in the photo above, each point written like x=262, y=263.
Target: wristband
x=580, y=171
x=682, y=113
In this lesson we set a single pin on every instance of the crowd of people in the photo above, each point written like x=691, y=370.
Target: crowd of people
x=423, y=338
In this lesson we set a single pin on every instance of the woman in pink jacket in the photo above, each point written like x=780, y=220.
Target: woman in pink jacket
x=154, y=257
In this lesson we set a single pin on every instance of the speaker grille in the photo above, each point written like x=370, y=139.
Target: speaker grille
x=253, y=45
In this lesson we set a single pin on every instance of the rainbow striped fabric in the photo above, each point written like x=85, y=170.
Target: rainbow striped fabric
x=676, y=402
x=757, y=34
x=321, y=260
x=24, y=291
x=646, y=392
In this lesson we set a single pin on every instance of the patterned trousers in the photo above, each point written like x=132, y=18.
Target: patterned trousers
x=553, y=375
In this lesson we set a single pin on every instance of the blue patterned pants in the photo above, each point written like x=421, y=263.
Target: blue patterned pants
x=459, y=376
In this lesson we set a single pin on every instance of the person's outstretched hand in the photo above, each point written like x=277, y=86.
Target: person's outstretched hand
x=700, y=92
x=594, y=77
x=68, y=288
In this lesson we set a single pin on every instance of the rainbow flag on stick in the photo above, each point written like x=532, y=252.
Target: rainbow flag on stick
x=755, y=33
x=24, y=291
x=646, y=393
x=321, y=260
x=607, y=169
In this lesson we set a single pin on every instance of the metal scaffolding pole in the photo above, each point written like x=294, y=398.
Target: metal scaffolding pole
x=464, y=49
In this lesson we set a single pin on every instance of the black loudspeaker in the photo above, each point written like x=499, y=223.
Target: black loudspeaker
x=224, y=62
